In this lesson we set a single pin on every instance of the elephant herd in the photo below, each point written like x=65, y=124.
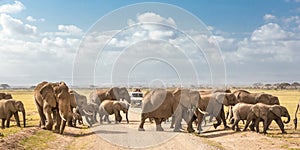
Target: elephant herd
x=58, y=106
x=252, y=107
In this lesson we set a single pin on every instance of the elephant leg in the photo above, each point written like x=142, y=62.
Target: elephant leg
x=58, y=122
x=222, y=115
x=100, y=119
x=236, y=124
x=107, y=119
x=178, y=118
x=281, y=125
x=42, y=116
x=218, y=118
x=17, y=119
x=265, y=126
x=3, y=123
x=190, y=124
x=127, y=120
x=49, y=123
x=8, y=120
x=143, y=118
x=158, y=124
x=88, y=120
x=62, y=126
x=172, y=121
x=249, y=119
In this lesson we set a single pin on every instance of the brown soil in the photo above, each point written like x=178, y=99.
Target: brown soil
x=82, y=138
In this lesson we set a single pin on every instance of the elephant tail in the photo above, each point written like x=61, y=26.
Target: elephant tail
x=297, y=109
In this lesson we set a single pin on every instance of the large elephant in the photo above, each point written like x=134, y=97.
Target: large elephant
x=53, y=102
x=114, y=93
x=109, y=107
x=161, y=104
x=253, y=98
x=5, y=96
x=9, y=108
x=73, y=105
x=240, y=112
x=267, y=113
x=295, y=120
x=212, y=105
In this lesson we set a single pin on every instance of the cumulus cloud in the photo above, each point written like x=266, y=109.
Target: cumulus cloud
x=12, y=8
x=14, y=27
x=270, y=31
x=71, y=29
x=31, y=19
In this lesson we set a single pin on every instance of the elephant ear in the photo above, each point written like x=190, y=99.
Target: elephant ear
x=255, y=109
x=276, y=110
x=221, y=98
x=47, y=88
x=19, y=105
x=73, y=100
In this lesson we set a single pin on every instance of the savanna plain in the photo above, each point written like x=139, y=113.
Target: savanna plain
x=82, y=137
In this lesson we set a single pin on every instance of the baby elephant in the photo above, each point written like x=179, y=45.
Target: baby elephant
x=75, y=117
x=109, y=107
x=267, y=113
x=240, y=112
x=9, y=108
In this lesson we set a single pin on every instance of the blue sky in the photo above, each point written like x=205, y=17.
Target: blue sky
x=258, y=38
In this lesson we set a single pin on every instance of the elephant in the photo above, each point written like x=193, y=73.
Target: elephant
x=114, y=93
x=5, y=96
x=267, y=113
x=295, y=120
x=9, y=108
x=212, y=105
x=240, y=112
x=204, y=92
x=74, y=117
x=109, y=107
x=53, y=102
x=73, y=105
x=79, y=99
x=90, y=111
x=161, y=104
x=253, y=98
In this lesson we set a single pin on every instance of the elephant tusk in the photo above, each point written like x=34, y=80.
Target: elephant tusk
x=202, y=112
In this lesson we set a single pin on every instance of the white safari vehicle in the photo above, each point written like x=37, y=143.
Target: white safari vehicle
x=136, y=98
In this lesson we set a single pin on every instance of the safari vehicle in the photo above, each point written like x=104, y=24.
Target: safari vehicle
x=136, y=98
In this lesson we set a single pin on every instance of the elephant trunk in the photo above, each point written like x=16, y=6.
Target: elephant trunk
x=289, y=118
x=24, y=118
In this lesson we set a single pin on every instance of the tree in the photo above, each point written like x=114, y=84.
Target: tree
x=5, y=86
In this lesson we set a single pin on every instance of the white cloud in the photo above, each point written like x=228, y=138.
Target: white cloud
x=70, y=29
x=155, y=18
x=269, y=17
x=14, y=27
x=270, y=31
x=31, y=19
x=12, y=8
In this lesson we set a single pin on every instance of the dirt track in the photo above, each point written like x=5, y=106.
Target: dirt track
x=126, y=136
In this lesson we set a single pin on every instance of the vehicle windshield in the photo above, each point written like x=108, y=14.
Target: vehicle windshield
x=137, y=94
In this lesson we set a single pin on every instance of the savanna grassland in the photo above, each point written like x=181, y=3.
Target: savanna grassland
x=41, y=139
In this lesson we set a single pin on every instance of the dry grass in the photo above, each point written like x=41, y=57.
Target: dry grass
x=288, y=98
